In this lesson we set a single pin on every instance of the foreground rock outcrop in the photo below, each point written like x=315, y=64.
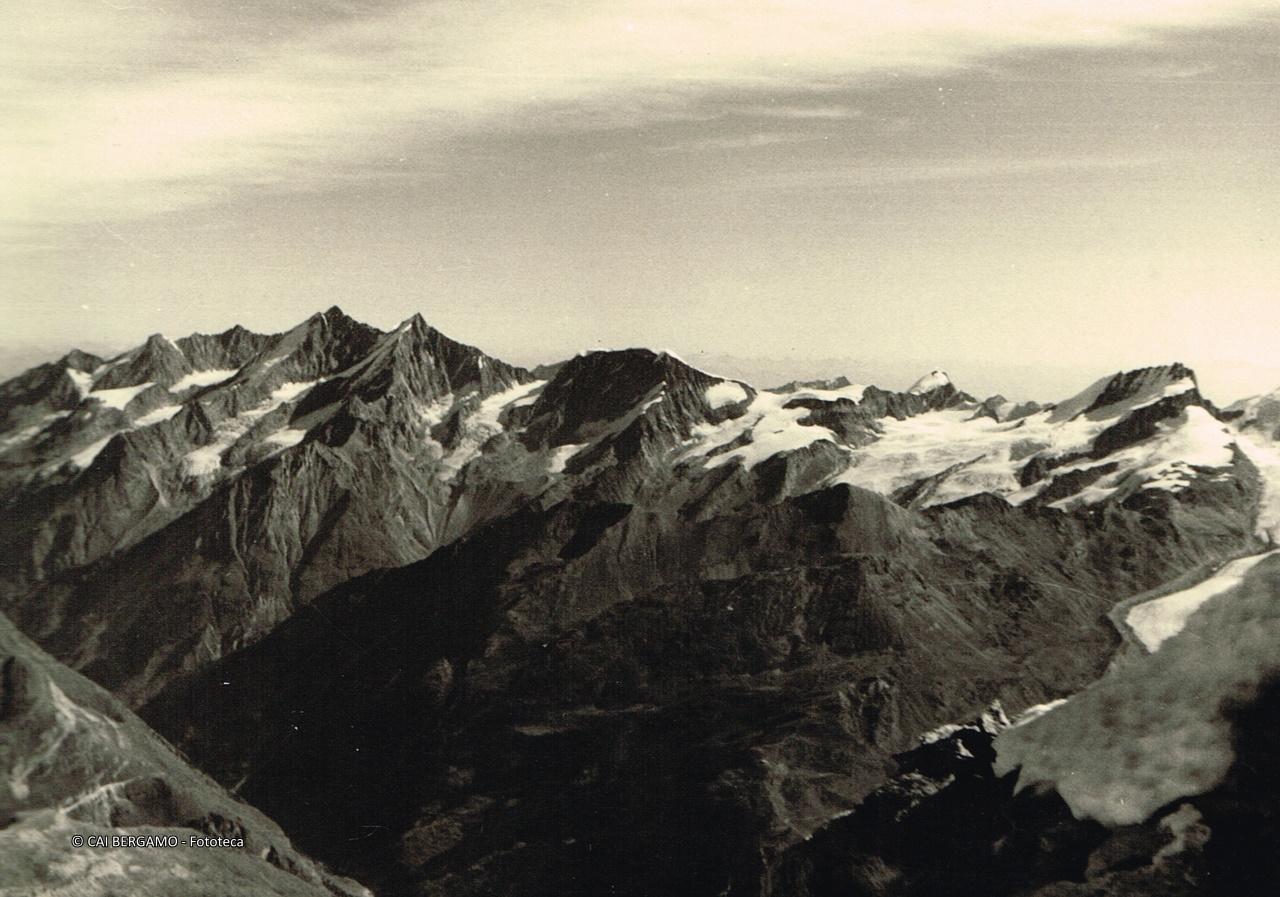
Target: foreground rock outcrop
x=92, y=800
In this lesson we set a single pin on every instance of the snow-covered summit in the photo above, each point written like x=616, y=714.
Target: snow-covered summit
x=930, y=381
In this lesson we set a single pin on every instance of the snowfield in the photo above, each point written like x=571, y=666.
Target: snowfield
x=203, y=378
x=771, y=427
x=1154, y=622
x=726, y=392
x=207, y=460
x=120, y=397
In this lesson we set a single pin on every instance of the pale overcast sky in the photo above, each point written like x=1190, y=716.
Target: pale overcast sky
x=1070, y=186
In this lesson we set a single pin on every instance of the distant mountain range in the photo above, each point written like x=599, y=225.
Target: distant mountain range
x=619, y=626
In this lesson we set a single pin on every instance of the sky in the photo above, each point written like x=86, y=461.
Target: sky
x=1029, y=193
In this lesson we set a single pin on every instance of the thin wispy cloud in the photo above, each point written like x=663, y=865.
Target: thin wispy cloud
x=744, y=142
x=921, y=171
x=123, y=110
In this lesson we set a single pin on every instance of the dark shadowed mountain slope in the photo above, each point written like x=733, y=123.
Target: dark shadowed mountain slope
x=602, y=698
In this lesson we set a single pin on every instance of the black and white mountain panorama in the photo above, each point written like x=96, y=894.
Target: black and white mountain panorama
x=343, y=611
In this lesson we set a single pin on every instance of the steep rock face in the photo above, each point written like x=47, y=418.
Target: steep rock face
x=622, y=700
x=30, y=398
x=79, y=764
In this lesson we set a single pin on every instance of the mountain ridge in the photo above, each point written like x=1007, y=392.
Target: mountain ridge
x=384, y=573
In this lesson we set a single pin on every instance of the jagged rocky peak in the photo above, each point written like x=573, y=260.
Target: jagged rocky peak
x=1258, y=413
x=229, y=350
x=463, y=365
x=157, y=360
x=1130, y=390
x=607, y=386
x=52, y=387
x=418, y=363
x=79, y=360
x=325, y=343
x=1002, y=410
x=935, y=379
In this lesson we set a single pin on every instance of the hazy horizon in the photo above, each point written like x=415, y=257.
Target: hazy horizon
x=1222, y=384
x=1028, y=194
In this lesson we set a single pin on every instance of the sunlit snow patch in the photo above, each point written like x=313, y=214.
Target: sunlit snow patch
x=930, y=381
x=83, y=458
x=203, y=378
x=726, y=392
x=207, y=460
x=157, y=415
x=120, y=397
x=83, y=381
x=1156, y=621
x=286, y=438
x=483, y=424
x=560, y=456
x=770, y=427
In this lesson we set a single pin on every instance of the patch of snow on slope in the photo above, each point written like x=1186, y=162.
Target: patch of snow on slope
x=560, y=456
x=157, y=415
x=83, y=381
x=530, y=397
x=24, y=435
x=434, y=413
x=120, y=397
x=203, y=378
x=770, y=427
x=287, y=392
x=1153, y=731
x=1036, y=711
x=83, y=458
x=1265, y=456
x=1156, y=621
x=207, y=460
x=286, y=438
x=931, y=380
x=483, y=424
x=1165, y=461
x=726, y=392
